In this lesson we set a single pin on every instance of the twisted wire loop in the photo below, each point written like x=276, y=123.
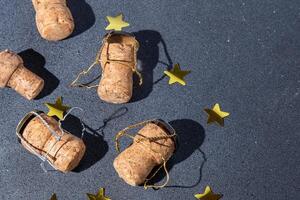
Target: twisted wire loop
x=87, y=70
x=84, y=72
x=150, y=139
x=57, y=137
x=97, y=62
x=83, y=130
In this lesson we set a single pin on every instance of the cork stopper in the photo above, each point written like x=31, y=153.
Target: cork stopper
x=13, y=74
x=53, y=19
x=118, y=60
x=116, y=83
x=136, y=162
x=9, y=62
x=64, y=154
x=37, y=4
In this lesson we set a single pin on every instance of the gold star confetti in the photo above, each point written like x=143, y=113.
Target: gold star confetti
x=116, y=23
x=216, y=115
x=53, y=197
x=57, y=109
x=208, y=195
x=176, y=75
x=99, y=196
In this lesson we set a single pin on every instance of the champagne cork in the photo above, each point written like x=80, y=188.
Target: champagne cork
x=118, y=58
x=53, y=19
x=152, y=146
x=13, y=74
x=64, y=154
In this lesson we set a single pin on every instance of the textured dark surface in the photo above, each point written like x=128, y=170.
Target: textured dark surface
x=244, y=55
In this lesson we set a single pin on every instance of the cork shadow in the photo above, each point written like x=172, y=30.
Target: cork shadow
x=190, y=136
x=95, y=152
x=148, y=58
x=83, y=14
x=96, y=146
x=35, y=62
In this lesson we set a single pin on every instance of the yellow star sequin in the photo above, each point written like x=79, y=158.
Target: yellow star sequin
x=57, y=109
x=116, y=23
x=53, y=197
x=216, y=115
x=99, y=196
x=208, y=195
x=176, y=75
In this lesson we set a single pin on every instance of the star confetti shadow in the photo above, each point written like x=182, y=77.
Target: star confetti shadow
x=190, y=136
x=148, y=58
x=35, y=62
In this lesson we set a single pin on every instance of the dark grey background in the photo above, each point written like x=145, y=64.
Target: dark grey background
x=244, y=55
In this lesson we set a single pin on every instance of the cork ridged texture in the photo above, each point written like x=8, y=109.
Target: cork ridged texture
x=54, y=19
x=9, y=62
x=118, y=60
x=136, y=162
x=13, y=74
x=64, y=154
